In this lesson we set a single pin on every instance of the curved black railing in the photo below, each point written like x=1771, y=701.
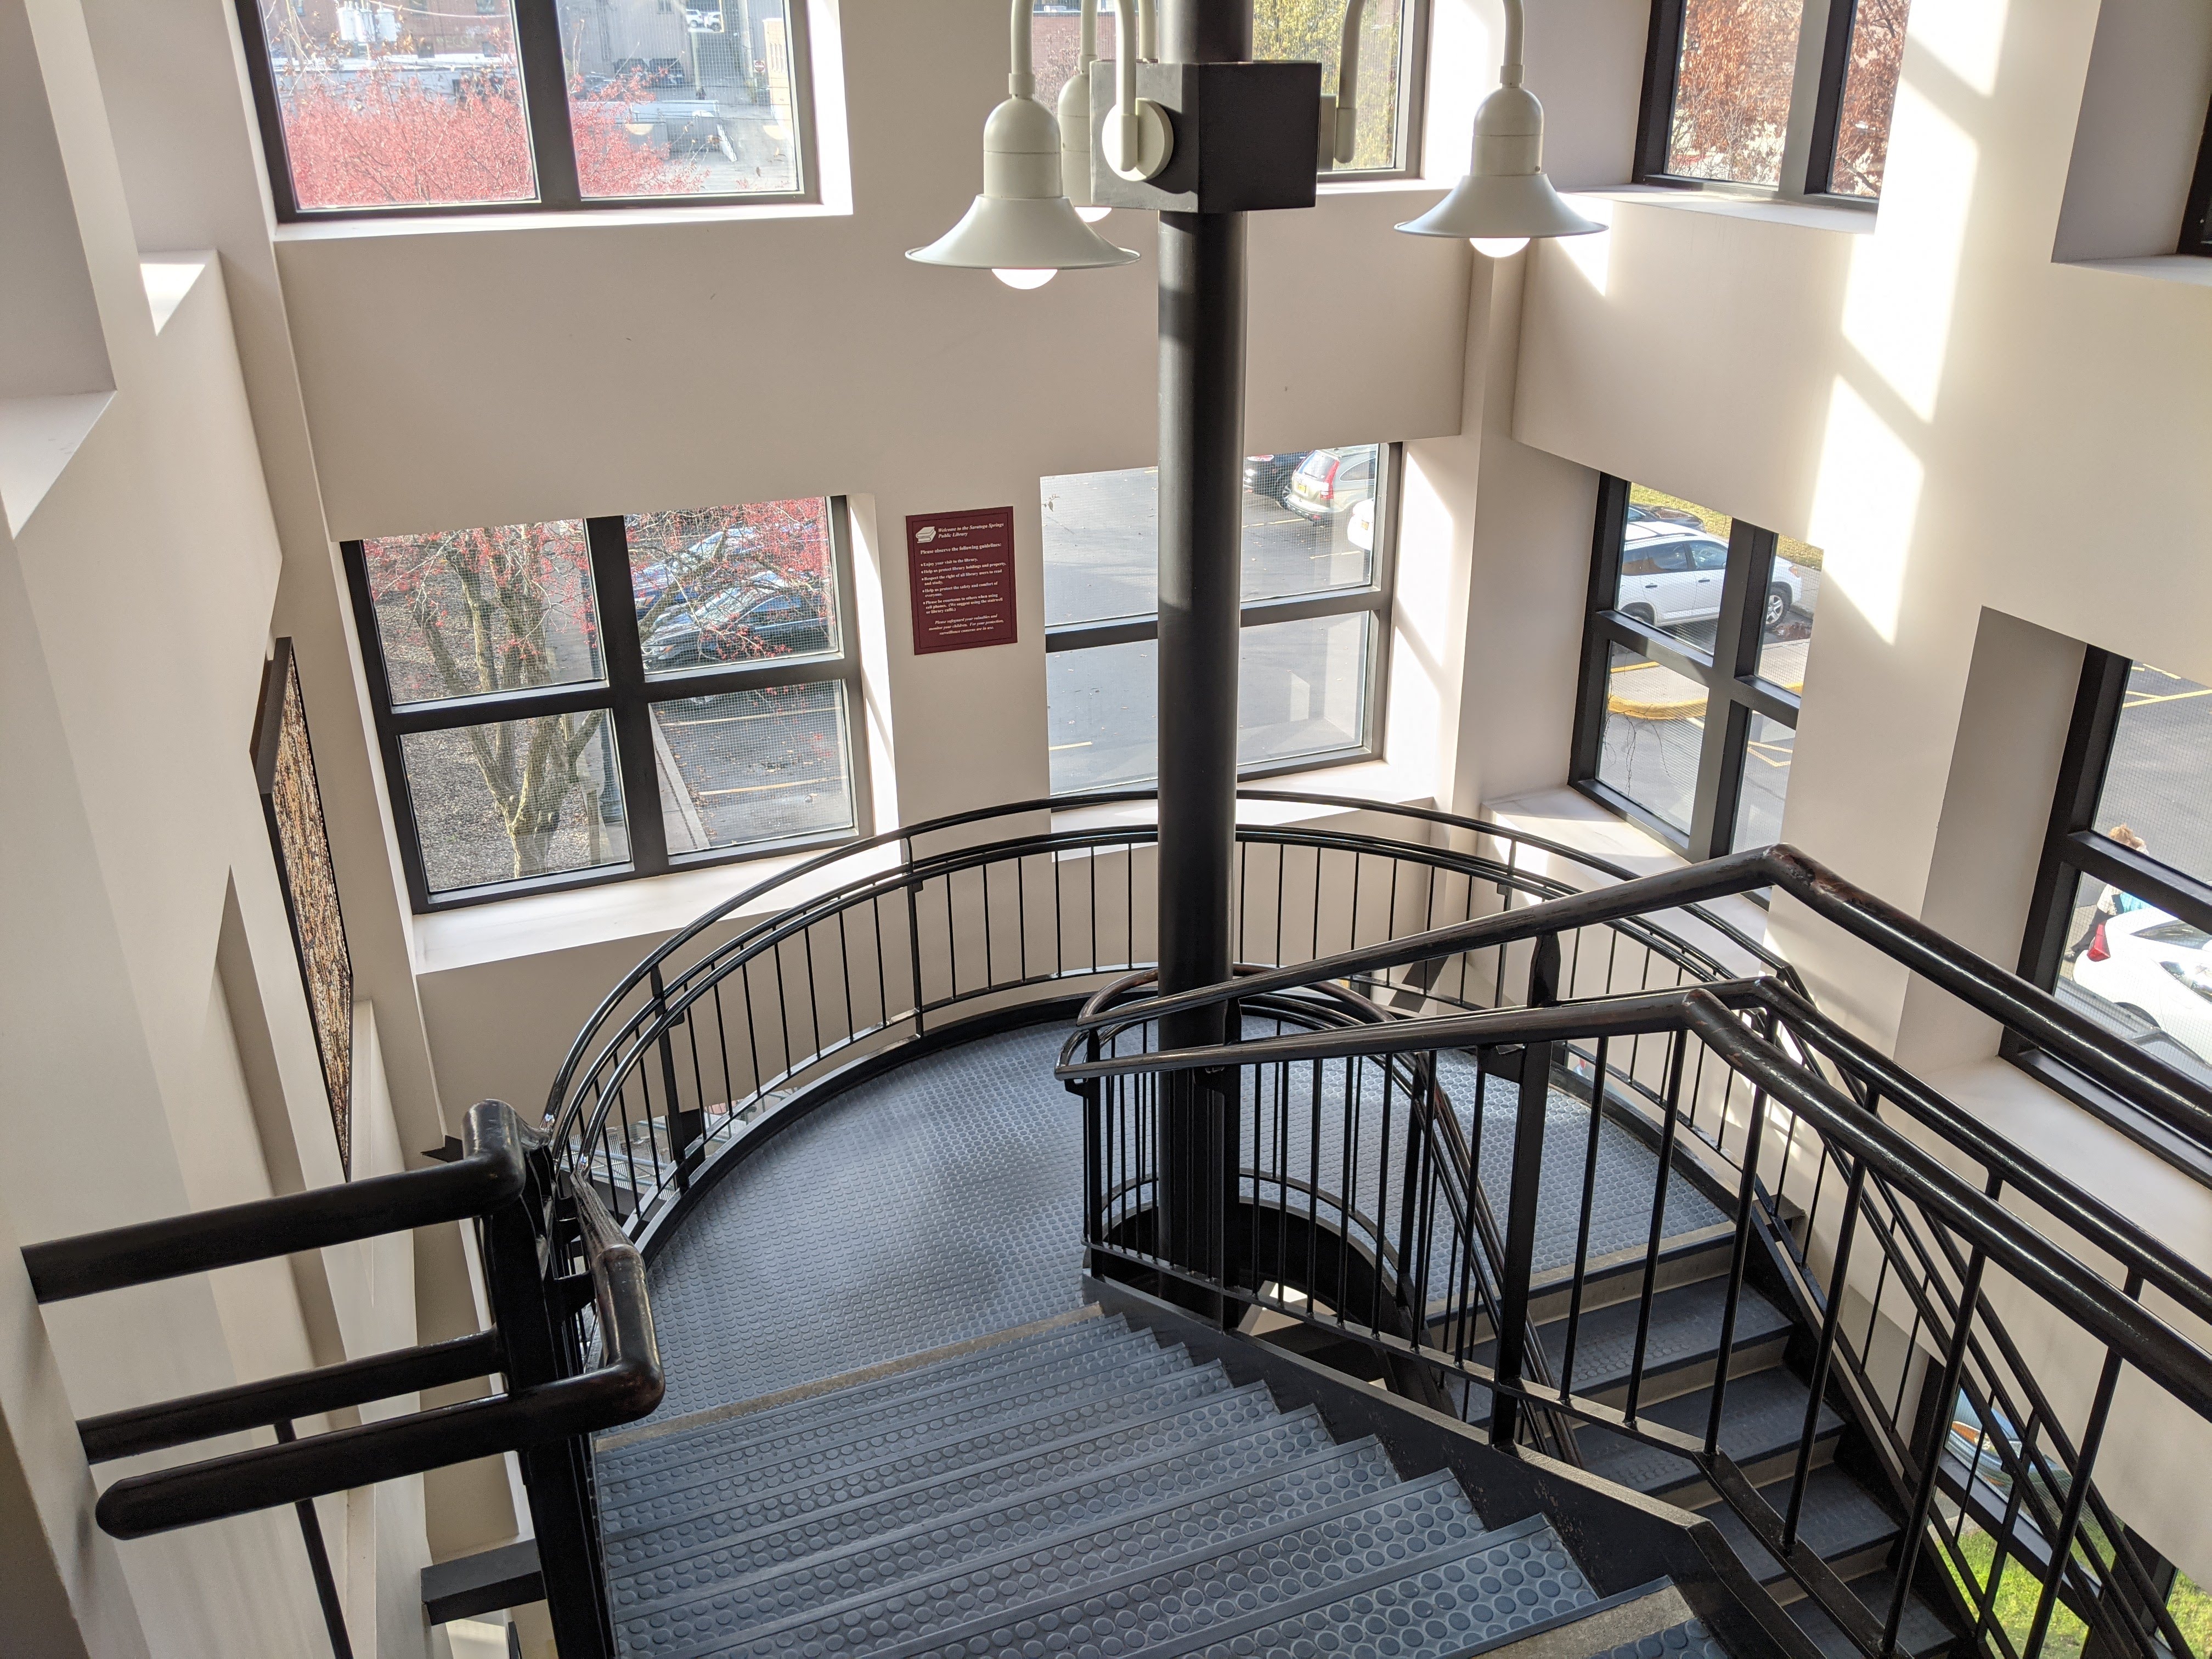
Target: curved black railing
x=1784, y=1108
x=877, y=943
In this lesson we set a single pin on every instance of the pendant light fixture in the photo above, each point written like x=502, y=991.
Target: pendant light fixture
x=1505, y=200
x=1023, y=228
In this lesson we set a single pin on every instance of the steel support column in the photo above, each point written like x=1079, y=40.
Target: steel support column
x=1201, y=478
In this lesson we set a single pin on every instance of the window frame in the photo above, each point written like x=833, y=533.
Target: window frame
x=1378, y=599
x=1662, y=59
x=627, y=695
x=2196, y=212
x=2072, y=848
x=1412, y=102
x=1729, y=673
x=542, y=74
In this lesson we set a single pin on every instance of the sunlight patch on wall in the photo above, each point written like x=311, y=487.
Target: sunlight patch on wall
x=1965, y=36
x=1591, y=256
x=1905, y=277
x=1864, y=508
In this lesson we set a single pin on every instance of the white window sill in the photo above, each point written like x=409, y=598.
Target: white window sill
x=38, y=437
x=624, y=218
x=2187, y=270
x=1767, y=210
x=1376, y=783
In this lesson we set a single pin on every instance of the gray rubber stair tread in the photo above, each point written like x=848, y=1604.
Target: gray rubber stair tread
x=1762, y=1415
x=1281, y=1472
x=746, y=1538
x=1167, y=1380
x=901, y=1421
x=1922, y=1631
x=1187, y=1525
x=1688, y=1640
x=1840, y=1517
x=784, y=1573
x=1218, y=1587
x=840, y=1404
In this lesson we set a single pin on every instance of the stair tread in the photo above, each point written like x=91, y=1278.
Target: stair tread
x=1127, y=1548
x=1762, y=1416
x=1688, y=1640
x=1685, y=1328
x=1158, y=1385
x=1153, y=1607
x=837, y=1401
x=900, y=1420
x=1840, y=1517
x=789, y=1574
x=1921, y=1632
x=790, y=1528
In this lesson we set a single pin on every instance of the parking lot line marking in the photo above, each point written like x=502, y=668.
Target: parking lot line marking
x=755, y=788
x=1061, y=747
x=2143, y=701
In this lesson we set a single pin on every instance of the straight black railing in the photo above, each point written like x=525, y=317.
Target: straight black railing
x=571, y=1339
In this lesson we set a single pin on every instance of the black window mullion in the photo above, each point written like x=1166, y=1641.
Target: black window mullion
x=546, y=99
x=1828, y=105
x=1596, y=668
x=1720, y=775
x=2082, y=767
x=1663, y=58
x=1736, y=631
x=448, y=714
x=371, y=642
x=631, y=714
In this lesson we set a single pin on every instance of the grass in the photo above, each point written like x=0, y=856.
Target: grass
x=2020, y=1589
x=1716, y=524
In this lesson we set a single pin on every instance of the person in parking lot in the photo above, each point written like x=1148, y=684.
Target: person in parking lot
x=2113, y=902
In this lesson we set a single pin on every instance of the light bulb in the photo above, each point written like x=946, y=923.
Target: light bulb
x=1024, y=278
x=1091, y=216
x=1499, y=247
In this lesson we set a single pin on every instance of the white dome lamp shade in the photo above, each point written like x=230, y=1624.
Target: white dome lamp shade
x=1505, y=200
x=1022, y=228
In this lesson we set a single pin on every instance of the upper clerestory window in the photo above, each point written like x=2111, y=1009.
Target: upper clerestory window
x=423, y=107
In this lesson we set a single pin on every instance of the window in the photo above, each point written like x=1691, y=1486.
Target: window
x=2122, y=915
x=1391, y=34
x=1693, y=658
x=590, y=699
x=1318, y=539
x=439, y=106
x=1721, y=76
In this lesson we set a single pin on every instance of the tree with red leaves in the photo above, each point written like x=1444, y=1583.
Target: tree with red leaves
x=1732, y=89
x=1869, y=97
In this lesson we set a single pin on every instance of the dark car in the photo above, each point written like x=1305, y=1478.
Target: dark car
x=1270, y=475
x=763, y=616
x=1640, y=513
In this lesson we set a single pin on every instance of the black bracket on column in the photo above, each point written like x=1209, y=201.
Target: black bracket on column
x=1245, y=136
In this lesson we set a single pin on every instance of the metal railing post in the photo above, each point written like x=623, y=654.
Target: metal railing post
x=685, y=1124
x=1519, y=1239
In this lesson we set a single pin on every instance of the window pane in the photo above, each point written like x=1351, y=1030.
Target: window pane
x=752, y=765
x=1766, y=758
x=1732, y=89
x=2140, y=973
x=732, y=585
x=1673, y=564
x=681, y=100
x=1297, y=31
x=1308, y=528
x=2158, y=789
x=516, y=799
x=1655, y=722
x=1785, y=621
x=1302, y=688
x=1301, y=691
x=387, y=105
x=470, y=611
x=1103, y=708
x=1869, y=95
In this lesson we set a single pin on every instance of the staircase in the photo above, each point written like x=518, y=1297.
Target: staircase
x=1073, y=1487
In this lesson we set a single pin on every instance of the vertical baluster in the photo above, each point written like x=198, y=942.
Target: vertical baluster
x=1678, y=1051
x=1582, y=1223
x=1831, y=1318
x=1522, y=1204
x=1915, y=1527
x=2077, y=1491
x=1739, y=1259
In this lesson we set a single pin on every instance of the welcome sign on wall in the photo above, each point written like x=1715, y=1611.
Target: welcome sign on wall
x=960, y=575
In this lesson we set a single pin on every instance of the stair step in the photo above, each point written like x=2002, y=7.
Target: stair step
x=746, y=1539
x=1762, y=1416
x=1155, y=1607
x=897, y=1420
x=678, y=1443
x=1154, y=1384
x=1840, y=1519
x=1343, y=1482
x=1924, y=1632
x=1688, y=1640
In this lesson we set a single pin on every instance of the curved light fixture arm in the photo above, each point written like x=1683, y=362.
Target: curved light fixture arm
x=1345, y=139
x=1148, y=31
x=1138, y=136
x=1021, y=80
x=1510, y=73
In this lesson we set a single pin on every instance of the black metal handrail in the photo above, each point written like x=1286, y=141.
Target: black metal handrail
x=562, y=1383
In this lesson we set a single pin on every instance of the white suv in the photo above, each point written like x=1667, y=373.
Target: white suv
x=1671, y=575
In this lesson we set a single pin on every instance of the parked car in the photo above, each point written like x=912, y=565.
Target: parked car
x=2154, y=967
x=763, y=616
x=1670, y=575
x=1270, y=475
x=1644, y=512
x=1360, y=528
x=732, y=544
x=1330, y=482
